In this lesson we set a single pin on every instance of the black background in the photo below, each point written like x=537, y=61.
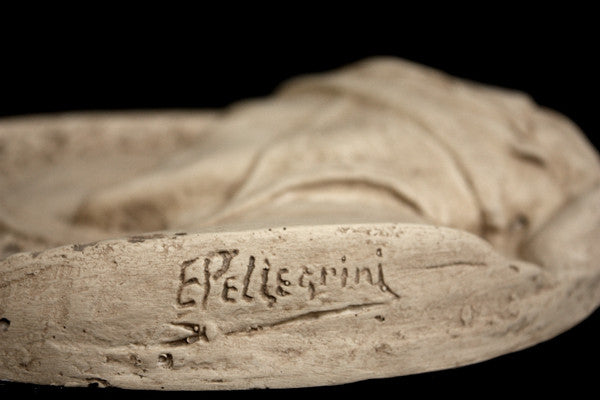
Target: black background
x=192, y=68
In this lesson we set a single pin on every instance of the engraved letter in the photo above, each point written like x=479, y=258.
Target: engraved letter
x=264, y=288
x=245, y=294
x=381, y=282
x=359, y=272
x=324, y=274
x=310, y=285
x=305, y=271
x=206, y=282
x=226, y=288
x=227, y=257
x=282, y=282
x=344, y=276
x=187, y=302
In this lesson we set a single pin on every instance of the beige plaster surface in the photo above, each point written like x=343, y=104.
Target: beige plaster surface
x=379, y=220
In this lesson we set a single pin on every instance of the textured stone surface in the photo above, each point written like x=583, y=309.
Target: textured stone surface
x=379, y=220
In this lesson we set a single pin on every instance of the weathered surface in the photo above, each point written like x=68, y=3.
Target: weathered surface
x=380, y=220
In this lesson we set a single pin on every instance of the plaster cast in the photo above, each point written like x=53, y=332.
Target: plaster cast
x=379, y=220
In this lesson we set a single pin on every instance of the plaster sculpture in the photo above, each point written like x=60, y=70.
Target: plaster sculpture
x=379, y=220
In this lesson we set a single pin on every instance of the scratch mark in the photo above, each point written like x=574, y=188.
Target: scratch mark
x=311, y=315
x=81, y=247
x=453, y=263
